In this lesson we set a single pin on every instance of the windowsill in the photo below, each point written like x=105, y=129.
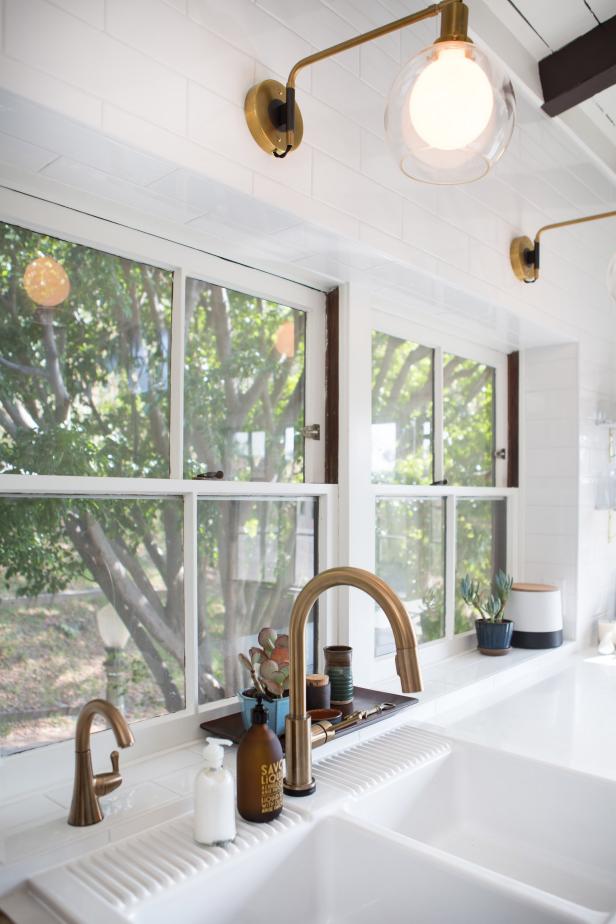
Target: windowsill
x=35, y=834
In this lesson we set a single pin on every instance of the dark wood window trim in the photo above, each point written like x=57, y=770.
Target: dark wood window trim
x=513, y=419
x=332, y=385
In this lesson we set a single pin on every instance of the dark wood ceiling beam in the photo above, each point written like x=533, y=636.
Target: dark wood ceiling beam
x=584, y=67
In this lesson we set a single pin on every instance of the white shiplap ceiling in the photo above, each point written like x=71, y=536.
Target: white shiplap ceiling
x=544, y=26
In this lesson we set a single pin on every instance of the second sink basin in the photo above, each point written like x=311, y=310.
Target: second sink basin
x=542, y=825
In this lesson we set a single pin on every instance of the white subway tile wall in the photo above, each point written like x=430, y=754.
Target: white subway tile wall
x=164, y=81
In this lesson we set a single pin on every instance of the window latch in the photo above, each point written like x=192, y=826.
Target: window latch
x=313, y=432
x=208, y=476
x=436, y=483
x=500, y=453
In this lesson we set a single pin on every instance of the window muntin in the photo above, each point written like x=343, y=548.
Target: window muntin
x=402, y=411
x=481, y=548
x=244, y=385
x=92, y=605
x=254, y=556
x=84, y=385
x=410, y=556
x=468, y=421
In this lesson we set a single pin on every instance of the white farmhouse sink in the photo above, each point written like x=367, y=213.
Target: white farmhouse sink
x=330, y=872
x=551, y=828
x=343, y=873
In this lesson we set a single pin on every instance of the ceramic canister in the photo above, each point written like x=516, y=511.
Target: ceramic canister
x=338, y=660
x=536, y=611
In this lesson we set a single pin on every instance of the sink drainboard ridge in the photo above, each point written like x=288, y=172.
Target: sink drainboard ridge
x=375, y=761
x=137, y=869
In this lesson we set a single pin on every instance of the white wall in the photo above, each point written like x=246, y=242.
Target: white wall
x=169, y=79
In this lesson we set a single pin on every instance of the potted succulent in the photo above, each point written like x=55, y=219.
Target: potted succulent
x=494, y=632
x=268, y=665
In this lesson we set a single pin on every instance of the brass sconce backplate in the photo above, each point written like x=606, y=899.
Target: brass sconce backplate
x=258, y=106
x=523, y=270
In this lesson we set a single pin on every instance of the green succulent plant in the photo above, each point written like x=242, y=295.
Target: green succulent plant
x=490, y=607
x=269, y=664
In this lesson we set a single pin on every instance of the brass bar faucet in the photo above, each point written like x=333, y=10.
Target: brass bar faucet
x=298, y=744
x=87, y=786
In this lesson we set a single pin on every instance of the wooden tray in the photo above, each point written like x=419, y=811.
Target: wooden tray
x=232, y=727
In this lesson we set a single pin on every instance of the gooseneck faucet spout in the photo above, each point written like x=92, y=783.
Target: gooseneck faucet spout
x=298, y=744
x=87, y=786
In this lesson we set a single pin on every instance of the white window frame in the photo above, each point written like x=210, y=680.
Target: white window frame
x=358, y=495
x=20, y=770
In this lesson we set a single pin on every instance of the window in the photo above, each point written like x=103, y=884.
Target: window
x=121, y=379
x=439, y=513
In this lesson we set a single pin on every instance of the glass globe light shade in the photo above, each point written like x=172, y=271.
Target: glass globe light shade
x=46, y=282
x=611, y=277
x=111, y=628
x=450, y=114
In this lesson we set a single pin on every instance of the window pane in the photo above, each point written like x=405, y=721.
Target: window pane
x=243, y=386
x=481, y=548
x=254, y=557
x=93, y=606
x=402, y=411
x=468, y=421
x=410, y=556
x=84, y=384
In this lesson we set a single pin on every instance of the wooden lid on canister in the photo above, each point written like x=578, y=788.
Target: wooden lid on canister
x=535, y=588
x=317, y=680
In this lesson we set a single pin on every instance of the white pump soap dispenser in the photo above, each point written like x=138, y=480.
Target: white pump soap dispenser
x=214, y=821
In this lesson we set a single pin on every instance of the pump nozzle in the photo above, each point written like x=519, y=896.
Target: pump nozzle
x=213, y=752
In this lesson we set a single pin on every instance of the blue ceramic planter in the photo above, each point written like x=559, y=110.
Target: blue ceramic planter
x=494, y=638
x=277, y=711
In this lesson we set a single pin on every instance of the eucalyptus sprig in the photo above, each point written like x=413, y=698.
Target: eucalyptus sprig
x=490, y=607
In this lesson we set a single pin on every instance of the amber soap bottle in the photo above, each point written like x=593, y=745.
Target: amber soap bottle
x=259, y=770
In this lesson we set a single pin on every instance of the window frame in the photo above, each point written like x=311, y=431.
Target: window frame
x=362, y=312
x=66, y=223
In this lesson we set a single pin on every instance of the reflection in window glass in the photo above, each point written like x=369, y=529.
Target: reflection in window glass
x=243, y=385
x=92, y=605
x=254, y=557
x=402, y=411
x=468, y=421
x=84, y=360
x=410, y=556
x=481, y=548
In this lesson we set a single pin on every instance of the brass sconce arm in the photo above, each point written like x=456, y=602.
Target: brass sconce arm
x=274, y=119
x=524, y=254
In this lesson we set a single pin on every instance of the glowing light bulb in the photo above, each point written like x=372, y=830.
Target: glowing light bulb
x=452, y=100
x=46, y=282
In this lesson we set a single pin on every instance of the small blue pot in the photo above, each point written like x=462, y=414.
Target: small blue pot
x=494, y=638
x=277, y=711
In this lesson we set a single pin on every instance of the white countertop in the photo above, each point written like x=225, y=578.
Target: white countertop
x=568, y=719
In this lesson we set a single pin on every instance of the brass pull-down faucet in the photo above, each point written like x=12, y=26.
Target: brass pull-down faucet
x=87, y=786
x=298, y=741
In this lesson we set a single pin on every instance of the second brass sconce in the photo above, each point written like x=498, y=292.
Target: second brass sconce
x=525, y=254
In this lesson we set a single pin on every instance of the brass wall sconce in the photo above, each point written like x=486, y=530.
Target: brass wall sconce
x=450, y=112
x=525, y=254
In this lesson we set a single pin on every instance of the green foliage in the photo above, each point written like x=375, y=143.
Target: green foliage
x=490, y=607
x=111, y=337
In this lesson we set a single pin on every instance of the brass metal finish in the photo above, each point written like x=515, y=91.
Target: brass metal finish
x=454, y=23
x=258, y=102
x=524, y=254
x=87, y=786
x=257, y=109
x=298, y=738
x=519, y=248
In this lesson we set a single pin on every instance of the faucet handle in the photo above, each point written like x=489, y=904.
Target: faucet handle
x=105, y=783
